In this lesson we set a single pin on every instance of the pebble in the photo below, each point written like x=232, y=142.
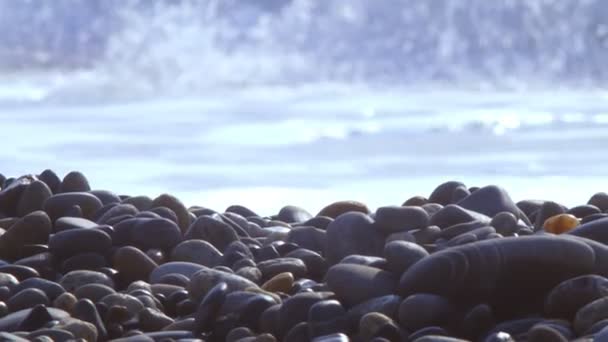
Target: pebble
x=270, y=268
x=308, y=237
x=80, y=240
x=27, y=298
x=187, y=269
x=58, y=205
x=75, y=279
x=33, y=228
x=281, y=282
x=354, y=284
x=424, y=310
x=600, y=200
x=338, y=208
x=401, y=255
x=560, y=224
x=74, y=182
x=204, y=280
x=214, y=231
x=352, y=233
x=133, y=264
x=293, y=214
x=197, y=251
x=147, y=233
x=33, y=197
x=443, y=193
x=173, y=203
x=395, y=219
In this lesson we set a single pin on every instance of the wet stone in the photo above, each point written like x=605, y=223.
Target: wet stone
x=197, y=251
x=338, y=208
x=352, y=233
x=400, y=255
x=270, y=268
x=396, y=219
x=291, y=214
x=58, y=205
x=75, y=279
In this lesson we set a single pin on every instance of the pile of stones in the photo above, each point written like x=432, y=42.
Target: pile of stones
x=463, y=264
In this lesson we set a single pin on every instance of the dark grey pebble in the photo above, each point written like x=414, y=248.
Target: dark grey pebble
x=416, y=201
x=270, y=268
x=20, y=272
x=599, y=200
x=396, y=219
x=490, y=200
x=295, y=309
x=57, y=205
x=476, y=321
x=84, y=261
x=423, y=310
x=590, y=314
x=354, y=284
x=433, y=332
x=310, y=237
x=459, y=193
x=173, y=203
x=454, y=214
x=114, y=211
x=74, y=181
x=66, y=223
x=147, y=233
x=339, y=337
x=460, y=228
x=596, y=230
x=547, y=210
x=505, y=223
x=55, y=335
x=515, y=328
x=142, y=203
x=11, y=193
x=27, y=298
x=352, y=233
x=197, y=251
x=73, y=280
x=292, y=214
x=33, y=198
x=372, y=261
x=153, y=320
x=542, y=333
x=400, y=255
x=216, y=232
x=50, y=178
x=50, y=288
x=76, y=241
x=443, y=193
x=387, y=305
x=86, y=311
x=204, y=280
x=37, y=318
x=33, y=228
x=106, y=196
x=180, y=267
x=241, y=210
x=583, y=211
x=565, y=299
x=162, y=212
x=320, y=222
x=316, y=265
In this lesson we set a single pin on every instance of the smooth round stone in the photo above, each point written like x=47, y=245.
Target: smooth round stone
x=325, y=310
x=204, y=280
x=375, y=324
x=569, y=296
x=74, y=181
x=291, y=214
x=11, y=321
x=106, y=196
x=415, y=201
x=387, y=305
x=133, y=264
x=453, y=214
x=241, y=210
x=209, y=307
x=174, y=279
x=541, y=333
x=94, y=292
x=52, y=335
x=116, y=211
x=75, y=279
x=270, y=268
x=33, y=198
x=338, y=208
x=50, y=178
x=8, y=280
x=443, y=193
x=295, y=309
x=281, y=282
x=505, y=223
x=147, y=233
x=157, y=255
x=352, y=233
x=433, y=332
x=43, y=263
x=560, y=224
x=354, y=284
x=315, y=264
x=31, y=229
x=142, y=203
x=11, y=192
x=582, y=211
x=490, y=200
x=132, y=304
x=18, y=271
x=57, y=205
x=237, y=334
x=153, y=320
x=370, y=261
x=459, y=193
x=50, y=288
x=596, y=230
x=75, y=241
x=396, y=219
x=402, y=236
x=252, y=274
x=320, y=222
x=66, y=223
x=212, y=230
x=65, y=301
x=426, y=235
x=243, y=263
x=311, y=238
x=188, y=269
x=86, y=311
x=423, y=310
x=299, y=333
x=476, y=321
x=35, y=319
x=493, y=269
x=163, y=212
x=197, y=251
x=400, y=255
x=173, y=203
x=27, y=298
x=599, y=200
x=590, y=314
x=547, y=209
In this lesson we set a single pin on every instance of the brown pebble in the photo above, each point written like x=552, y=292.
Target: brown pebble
x=561, y=223
x=65, y=302
x=281, y=282
x=338, y=208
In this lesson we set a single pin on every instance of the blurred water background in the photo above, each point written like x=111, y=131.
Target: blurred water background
x=268, y=103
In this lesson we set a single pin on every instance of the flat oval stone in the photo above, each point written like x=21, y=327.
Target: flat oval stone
x=214, y=231
x=565, y=299
x=76, y=241
x=204, y=280
x=147, y=233
x=292, y=214
x=50, y=178
x=133, y=305
x=33, y=198
x=74, y=181
x=75, y=279
x=27, y=298
x=424, y=310
x=400, y=255
x=119, y=210
x=338, y=208
x=11, y=321
x=19, y=271
x=270, y=268
x=374, y=324
x=352, y=233
x=490, y=200
x=453, y=214
x=50, y=288
x=197, y=251
x=354, y=284
x=133, y=264
x=583, y=211
x=295, y=309
x=106, y=196
x=84, y=261
x=209, y=307
x=173, y=203
x=31, y=229
x=281, y=282
x=57, y=205
x=499, y=268
x=596, y=230
x=315, y=264
x=188, y=269
x=11, y=193
x=505, y=223
x=364, y=260
x=443, y=193
x=396, y=219
x=547, y=210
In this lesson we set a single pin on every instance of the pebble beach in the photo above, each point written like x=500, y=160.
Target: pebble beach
x=460, y=263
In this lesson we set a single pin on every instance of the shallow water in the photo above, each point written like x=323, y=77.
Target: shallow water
x=219, y=105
